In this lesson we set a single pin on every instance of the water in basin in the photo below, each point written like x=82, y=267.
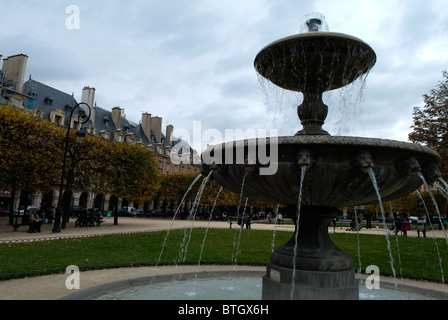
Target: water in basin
x=228, y=288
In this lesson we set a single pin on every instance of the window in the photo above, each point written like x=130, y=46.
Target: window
x=16, y=102
x=58, y=119
x=48, y=101
x=160, y=166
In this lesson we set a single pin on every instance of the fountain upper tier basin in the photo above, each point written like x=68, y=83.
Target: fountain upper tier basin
x=315, y=61
x=336, y=169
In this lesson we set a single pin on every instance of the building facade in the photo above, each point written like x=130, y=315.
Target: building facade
x=112, y=125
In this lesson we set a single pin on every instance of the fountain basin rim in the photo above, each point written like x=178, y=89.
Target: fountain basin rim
x=99, y=290
x=313, y=35
x=308, y=140
x=96, y=291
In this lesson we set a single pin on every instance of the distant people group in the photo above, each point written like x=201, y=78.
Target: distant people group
x=401, y=223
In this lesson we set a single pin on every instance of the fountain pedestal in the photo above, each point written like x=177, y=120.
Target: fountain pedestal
x=309, y=285
x=321, y=270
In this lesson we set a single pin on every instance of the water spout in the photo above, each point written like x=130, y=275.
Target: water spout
x=409, y=166
x=314, y=24
x=366, y=162
x=304, y=160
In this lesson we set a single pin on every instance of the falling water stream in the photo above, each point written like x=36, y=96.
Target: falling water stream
x=236, y=240
x=396, y=239
x=434, y=202
x=299, y=204
x=208, y=226
x=237, y=245
x=443, y=189
x=275, y=229
x=191, y=217
x=174, y=217
x=359, y=246
x=433, y=235
x=375, y=185
x=203, y=242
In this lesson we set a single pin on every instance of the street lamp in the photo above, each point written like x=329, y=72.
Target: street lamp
x=79, y=138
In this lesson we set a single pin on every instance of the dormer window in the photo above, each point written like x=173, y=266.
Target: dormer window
x=105, y=134
x=57, y=119
x=48, y=101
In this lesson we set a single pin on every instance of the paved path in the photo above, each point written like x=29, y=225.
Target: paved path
x=131, y=224
x=53, y=286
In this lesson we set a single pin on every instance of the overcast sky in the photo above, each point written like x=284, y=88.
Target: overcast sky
x=191, y=61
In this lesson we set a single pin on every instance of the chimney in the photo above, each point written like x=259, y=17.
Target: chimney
x=169, y=133
x=146, y=125
x=14, y=68
x=88, y=96
x=156, y=126
x=116, y=117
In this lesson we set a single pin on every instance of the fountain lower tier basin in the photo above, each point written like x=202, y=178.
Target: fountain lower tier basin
x=336, y=169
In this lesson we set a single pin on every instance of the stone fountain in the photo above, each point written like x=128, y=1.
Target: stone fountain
x=333, y=169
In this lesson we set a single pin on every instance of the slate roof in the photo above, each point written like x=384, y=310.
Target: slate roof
x=47, y=99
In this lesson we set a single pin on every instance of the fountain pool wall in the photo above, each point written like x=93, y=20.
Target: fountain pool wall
x=228, y=284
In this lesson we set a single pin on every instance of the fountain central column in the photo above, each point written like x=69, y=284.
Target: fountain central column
x=312, y=114
x=321, y=270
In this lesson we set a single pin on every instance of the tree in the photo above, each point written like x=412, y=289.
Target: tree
x=28, y=152
x=84, y=166
x=430, y=125
x=131, y=171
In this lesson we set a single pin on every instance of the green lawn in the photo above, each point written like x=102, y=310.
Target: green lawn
x=418, y=256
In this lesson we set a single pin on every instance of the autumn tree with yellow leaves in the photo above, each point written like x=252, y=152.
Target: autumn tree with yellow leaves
x=28, y=154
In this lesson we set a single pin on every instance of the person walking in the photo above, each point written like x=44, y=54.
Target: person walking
x=246, y=221
x=406, y=225
x=421, y=226
x=279, y=218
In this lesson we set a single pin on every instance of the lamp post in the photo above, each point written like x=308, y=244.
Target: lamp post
x=79, y=138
